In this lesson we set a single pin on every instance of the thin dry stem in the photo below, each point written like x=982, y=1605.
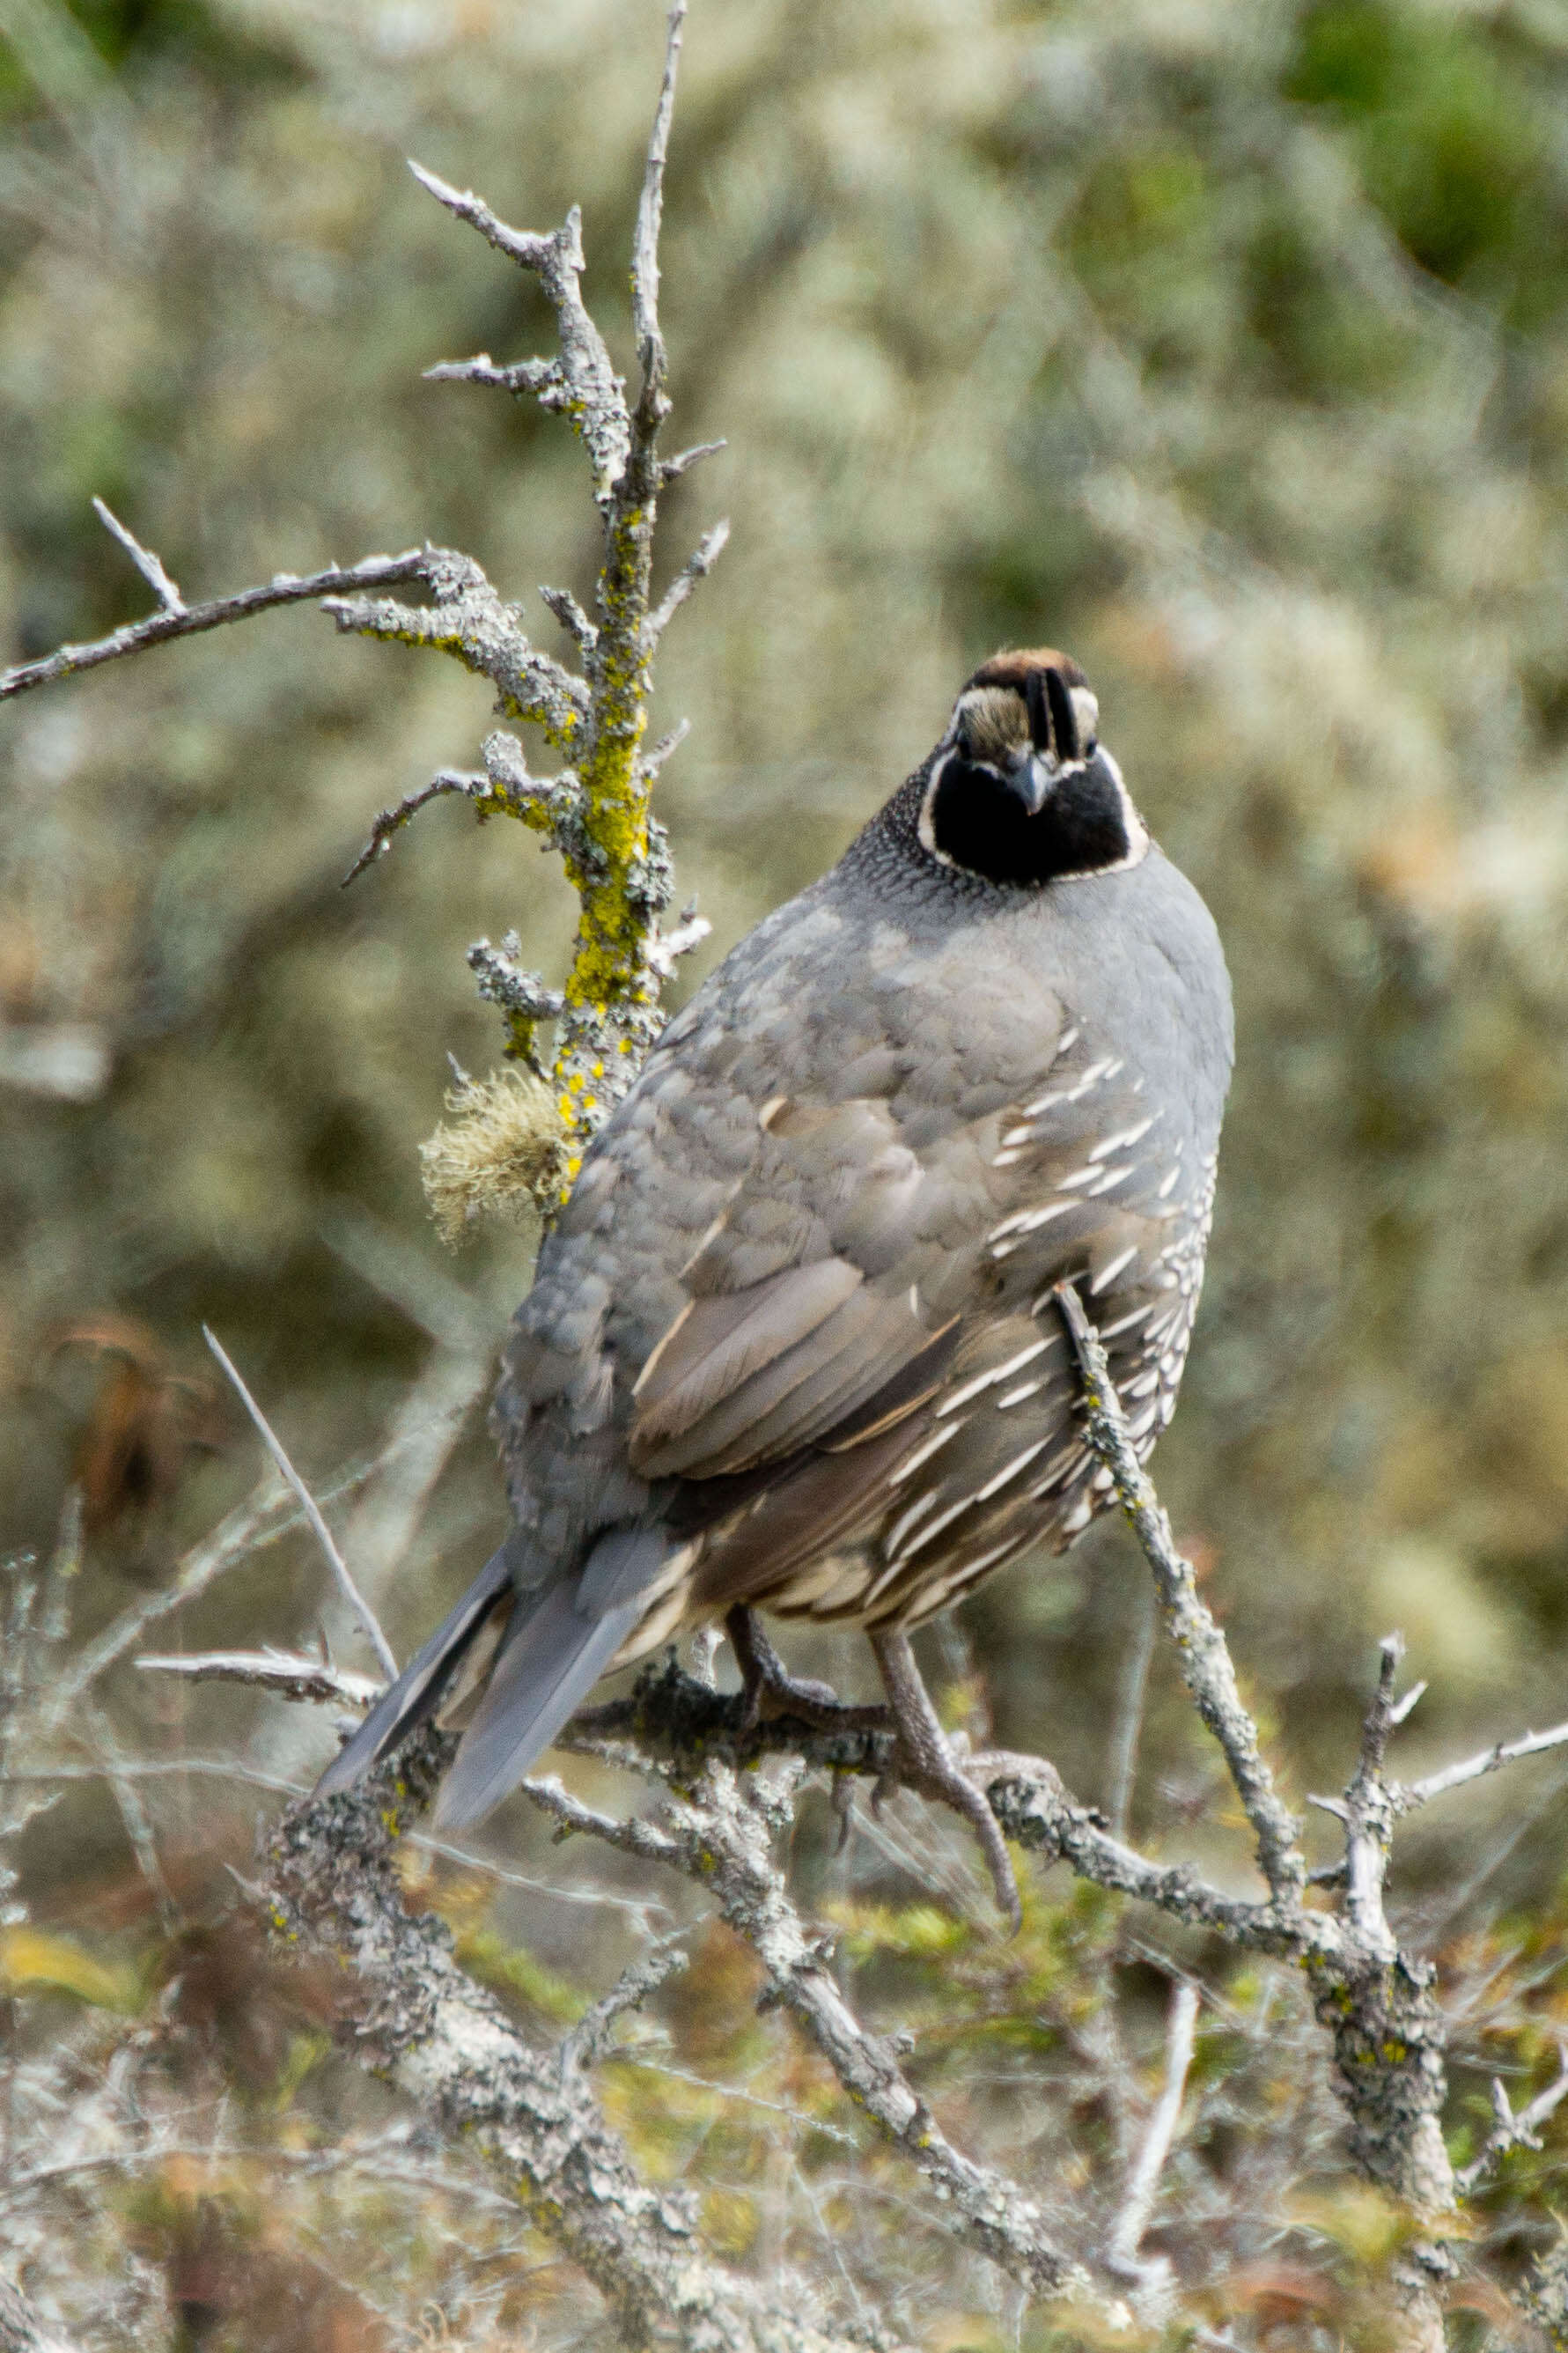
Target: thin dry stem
x=319, y=1528
x=287, y=1673
x=166, y=590
x=1144, y=2181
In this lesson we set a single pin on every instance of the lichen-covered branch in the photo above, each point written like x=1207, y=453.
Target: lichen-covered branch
x=670, y=1710
x=718, y=1831
x=1202, y=1648
x=445, y=2042
x=1377, y=2002
x=595, y=813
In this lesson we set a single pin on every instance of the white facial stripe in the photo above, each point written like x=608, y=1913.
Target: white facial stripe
x=926, y=827
x=1086, y=711
x=1132, y=825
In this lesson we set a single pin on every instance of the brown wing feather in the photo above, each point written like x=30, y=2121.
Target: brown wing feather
x=718, y=1346
x=806, y=1298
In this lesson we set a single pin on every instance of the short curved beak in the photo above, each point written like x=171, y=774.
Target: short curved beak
x=1031, y=779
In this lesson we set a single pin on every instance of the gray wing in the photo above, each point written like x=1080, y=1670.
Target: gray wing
x=818, y=1285
x=906, y=1379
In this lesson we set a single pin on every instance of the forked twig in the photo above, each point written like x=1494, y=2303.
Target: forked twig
x=188, y=620
x=1512, y=2130
x=719, y=1832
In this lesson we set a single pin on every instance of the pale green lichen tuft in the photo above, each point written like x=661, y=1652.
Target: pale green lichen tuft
x=500, y=1154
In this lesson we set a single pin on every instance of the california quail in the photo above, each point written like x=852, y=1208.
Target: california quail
x=793, y=1342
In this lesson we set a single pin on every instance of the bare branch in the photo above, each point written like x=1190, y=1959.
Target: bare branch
x=1404, y=1708
x=653, y=406
x=283, y=588
x=1144, y=2181
x=165, y=590
x=582, y=385
x=324, y=1535
x=668, y=1708
x=562, y=603
x=1520, y=2131
x=446, y=2046
x=1203, y=1653
x=1368, y=1814
x=1407, y=1796
x=697, y=566
x=653, y=760
x=590, y=2038
x=682, y=463
x=536, y=376
x=1029, y=1801
x=269, y=1513
x=469, y=621
x=462, y=781
x=290, y=1673
x=665, y=950
x=503, y=981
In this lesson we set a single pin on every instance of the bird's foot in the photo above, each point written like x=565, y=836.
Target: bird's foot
x=770, y=1688
x=927, y=1763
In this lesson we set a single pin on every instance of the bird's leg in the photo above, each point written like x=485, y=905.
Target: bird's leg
x=934, y=1771
x=767, y=1680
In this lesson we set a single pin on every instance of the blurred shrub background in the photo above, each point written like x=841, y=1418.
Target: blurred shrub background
x=1223, y=342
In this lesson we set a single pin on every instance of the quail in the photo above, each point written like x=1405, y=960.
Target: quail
x=793, y=1345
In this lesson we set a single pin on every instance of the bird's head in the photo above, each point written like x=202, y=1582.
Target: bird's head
x=1020, y=789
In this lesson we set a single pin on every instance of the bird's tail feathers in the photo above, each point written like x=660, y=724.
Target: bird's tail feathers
x=419, y=1690
x=547, y=1664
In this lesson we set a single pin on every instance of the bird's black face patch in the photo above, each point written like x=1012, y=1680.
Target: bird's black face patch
x=980, y=819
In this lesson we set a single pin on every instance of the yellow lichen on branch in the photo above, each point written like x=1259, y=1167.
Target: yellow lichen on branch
x=595, y=813
x=611, y=1012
